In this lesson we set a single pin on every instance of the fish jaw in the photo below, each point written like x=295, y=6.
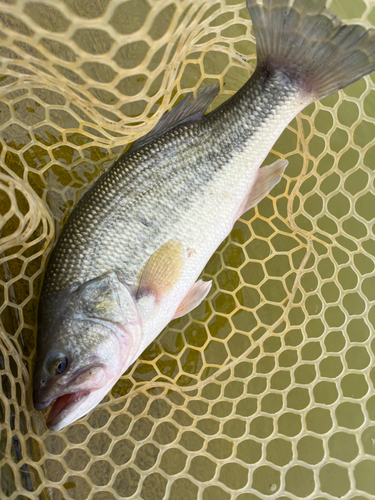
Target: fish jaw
x=71, y=406
x=78, y=396
x=61, y=406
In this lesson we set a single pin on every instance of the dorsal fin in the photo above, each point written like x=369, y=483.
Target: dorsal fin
x=190, y=109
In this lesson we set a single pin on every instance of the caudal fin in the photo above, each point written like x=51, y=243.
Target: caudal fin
x=311, y=45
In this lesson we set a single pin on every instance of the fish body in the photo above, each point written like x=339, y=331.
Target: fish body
x=128, y=259
x=189, y=185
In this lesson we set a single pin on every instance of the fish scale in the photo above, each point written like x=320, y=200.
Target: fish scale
x=169, y=179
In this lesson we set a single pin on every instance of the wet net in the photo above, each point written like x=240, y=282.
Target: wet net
x=266, y=390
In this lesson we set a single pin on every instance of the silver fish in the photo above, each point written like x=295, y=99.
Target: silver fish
x=128, y=259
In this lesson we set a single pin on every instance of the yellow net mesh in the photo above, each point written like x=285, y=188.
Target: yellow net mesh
x=266, y=389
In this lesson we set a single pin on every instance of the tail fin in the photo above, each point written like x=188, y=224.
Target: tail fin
x=311, y=45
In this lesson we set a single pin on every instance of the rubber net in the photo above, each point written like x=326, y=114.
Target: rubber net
x=266, y=390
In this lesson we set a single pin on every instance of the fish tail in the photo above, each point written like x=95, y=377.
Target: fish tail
x=314, y=48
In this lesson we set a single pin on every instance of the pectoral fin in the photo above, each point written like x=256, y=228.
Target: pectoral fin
x=195, y=296
x=266, y=178
x=162, y=271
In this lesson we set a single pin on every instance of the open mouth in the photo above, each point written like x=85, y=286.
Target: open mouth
x=64, y=402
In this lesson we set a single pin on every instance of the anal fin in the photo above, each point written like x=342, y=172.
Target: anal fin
x=266, y=179
x=196, y=294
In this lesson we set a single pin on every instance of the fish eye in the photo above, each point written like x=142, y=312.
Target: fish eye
x=57, y=363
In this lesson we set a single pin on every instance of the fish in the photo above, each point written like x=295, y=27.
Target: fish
x=128, y=259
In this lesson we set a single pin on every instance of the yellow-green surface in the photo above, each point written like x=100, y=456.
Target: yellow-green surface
x=266, y=390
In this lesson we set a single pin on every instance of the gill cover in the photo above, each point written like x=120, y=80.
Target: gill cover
x=104, y=299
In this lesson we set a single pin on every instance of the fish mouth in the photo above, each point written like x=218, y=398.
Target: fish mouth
x=64, y=404
x=43, y=405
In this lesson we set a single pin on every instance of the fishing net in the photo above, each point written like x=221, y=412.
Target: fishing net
x=267, y=388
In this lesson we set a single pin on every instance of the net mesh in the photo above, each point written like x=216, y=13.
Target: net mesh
x=267, y=388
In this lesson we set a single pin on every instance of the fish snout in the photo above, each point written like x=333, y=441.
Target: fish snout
x=44, y=391
x=40, y=403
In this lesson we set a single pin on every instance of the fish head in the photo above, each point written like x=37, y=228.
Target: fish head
x=87, y=338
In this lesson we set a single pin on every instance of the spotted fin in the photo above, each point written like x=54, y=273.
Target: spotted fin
x=197, y=293
x=162, y=271
x=266, y=178
x=190, y=109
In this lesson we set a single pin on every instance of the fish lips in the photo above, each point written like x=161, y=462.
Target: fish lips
x=42, y=396
x=60, y=402
x=65, y=399
x=64, y=405
x=39, y=406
